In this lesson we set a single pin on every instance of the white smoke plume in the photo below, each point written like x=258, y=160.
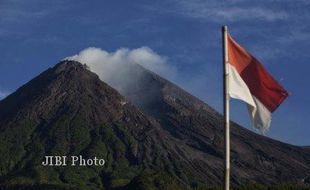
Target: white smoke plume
x=114, y=67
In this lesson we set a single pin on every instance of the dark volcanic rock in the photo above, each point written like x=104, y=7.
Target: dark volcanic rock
x=158, y=127
x=255, y=158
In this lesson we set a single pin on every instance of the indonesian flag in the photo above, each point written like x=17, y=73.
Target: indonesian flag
x=250, y=82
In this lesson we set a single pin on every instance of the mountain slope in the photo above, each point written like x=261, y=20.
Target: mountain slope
x=158, y=130
x=255, y=158
x=67, y=110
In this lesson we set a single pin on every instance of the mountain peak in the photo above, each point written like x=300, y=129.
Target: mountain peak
x=69, y=83
x=67, y=65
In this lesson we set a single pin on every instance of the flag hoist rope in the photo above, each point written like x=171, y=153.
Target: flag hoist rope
x=226, y=108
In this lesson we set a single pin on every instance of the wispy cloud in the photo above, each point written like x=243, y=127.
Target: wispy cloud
x=298, y=34
x=239, y=14
x=18, y=15
x=230, y=11
x=13, y=12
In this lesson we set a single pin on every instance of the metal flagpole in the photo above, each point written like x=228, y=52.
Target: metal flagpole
x=226, y=108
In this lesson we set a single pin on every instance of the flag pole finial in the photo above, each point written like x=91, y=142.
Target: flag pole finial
x=224, y=27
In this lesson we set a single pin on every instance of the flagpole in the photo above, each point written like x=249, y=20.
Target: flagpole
x=226, y=108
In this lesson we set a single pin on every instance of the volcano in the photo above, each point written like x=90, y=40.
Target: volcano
x=150, y=134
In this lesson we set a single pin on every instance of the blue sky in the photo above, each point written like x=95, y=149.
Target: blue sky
x=37, y=34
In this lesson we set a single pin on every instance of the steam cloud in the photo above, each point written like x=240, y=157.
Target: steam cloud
x=115, y=68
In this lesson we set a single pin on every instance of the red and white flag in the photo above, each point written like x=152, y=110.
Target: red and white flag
x=250, y=82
